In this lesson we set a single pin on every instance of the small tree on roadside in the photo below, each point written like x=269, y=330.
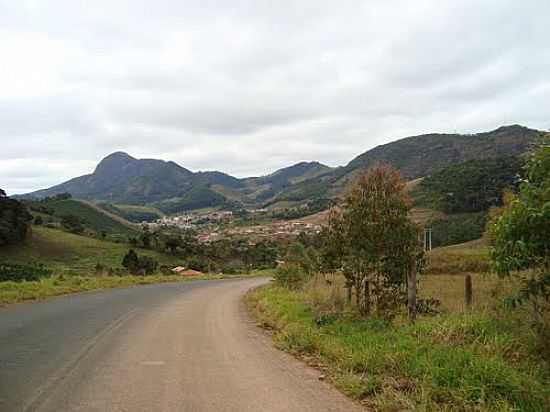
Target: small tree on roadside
x=520, y=234
x=372, y=240
x=131, y=261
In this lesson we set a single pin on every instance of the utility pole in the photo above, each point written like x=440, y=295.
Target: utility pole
x=427, y=238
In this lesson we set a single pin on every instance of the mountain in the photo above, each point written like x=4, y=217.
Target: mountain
x=123, y=179
x=120, y=178
x=422, y=155
x=418, y=156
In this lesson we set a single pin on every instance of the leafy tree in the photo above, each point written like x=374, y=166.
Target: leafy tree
x=131, y=261
x=14, y=220
x=146, y=239
x=521, y=237
x=147, y=265
x=72, y=223
x=372, y=240
x=198, y=263
x=172, y=243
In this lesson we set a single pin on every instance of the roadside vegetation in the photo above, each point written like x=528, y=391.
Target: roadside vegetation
x=52, y=262
x=479, y=341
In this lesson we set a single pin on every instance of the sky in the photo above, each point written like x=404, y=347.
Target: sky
x=247, y=87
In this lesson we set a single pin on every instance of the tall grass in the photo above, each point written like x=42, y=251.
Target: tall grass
x=452, y=362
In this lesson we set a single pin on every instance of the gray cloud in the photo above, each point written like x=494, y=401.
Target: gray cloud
x=250, y=86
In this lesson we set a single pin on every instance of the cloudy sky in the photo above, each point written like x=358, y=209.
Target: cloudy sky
x=247, y=87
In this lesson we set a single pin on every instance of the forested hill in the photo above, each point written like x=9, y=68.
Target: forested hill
x=422, y=155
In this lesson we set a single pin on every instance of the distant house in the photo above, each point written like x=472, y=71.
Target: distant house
x=190, y=272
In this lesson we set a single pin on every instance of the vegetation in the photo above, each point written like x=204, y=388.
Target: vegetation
x=458, y=228
x=374, y=244
x=70, y=254
x=14, y=220
x=472, y=186
x=197, y=197
x=521, y=239
x=455, y=361
x=132, y=213
x=14, y=292
x=457, y=356
x=20, y=272
x=77, y=216
x=310, y=208
x=53, y=262
x=139, y=265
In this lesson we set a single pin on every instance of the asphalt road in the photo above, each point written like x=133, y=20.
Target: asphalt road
x=170, y=347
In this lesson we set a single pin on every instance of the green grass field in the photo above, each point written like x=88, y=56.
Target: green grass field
x=66, y=253
x=483, y=359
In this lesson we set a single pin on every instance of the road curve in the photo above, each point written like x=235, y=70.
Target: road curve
x=172, y=347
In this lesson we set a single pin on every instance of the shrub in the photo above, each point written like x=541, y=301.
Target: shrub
x=139, y=264
x=72, y=223
x=290, y=275
x=147, y=265
x=19, y=272
x=198, y=263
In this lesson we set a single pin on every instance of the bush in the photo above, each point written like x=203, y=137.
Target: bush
x=72, y=223
x=147, y=265
x=290, y=275
x=19, y=273
x=198, y=263
x=234, y=267
x=139, y=264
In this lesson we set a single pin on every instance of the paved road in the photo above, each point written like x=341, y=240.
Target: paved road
x=171, y=347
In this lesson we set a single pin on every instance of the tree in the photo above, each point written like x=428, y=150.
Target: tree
x=147, y=265
x=131, y=261
x=172, y=243
x=146, y=239
x=38, y=220
x=372, y=240
x=14, y=220
x=520, y=234
x=72, y=223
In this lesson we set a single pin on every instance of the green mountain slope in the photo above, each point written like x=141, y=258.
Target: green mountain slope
x=91, y=216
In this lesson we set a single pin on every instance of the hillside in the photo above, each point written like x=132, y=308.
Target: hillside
x=91, y=216
x=67, y=253
x=170, y=188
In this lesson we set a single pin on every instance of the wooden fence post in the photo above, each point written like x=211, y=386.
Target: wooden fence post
x=468, y=291
x=411, y=293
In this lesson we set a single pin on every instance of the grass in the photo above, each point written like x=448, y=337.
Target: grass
x=93, y=217
x=70, y=254
x=15, y=292
x=72, y=259
x=469, y=257
x=453, y=362
x=482, y=359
